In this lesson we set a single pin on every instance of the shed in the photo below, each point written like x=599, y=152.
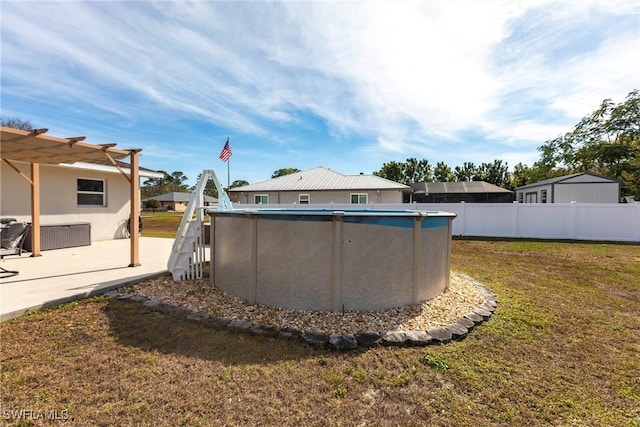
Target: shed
x=582, y=187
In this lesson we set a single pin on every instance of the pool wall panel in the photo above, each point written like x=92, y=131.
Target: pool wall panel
x=294, y=263
x=233, y=257
x=376, y=276
x=330, y=260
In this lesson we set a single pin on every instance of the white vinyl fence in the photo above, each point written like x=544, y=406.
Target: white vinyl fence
x=573, y=221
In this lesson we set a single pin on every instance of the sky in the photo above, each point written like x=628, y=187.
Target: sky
x=348, y=85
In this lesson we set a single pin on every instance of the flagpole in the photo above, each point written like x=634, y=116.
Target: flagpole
x=225, y=156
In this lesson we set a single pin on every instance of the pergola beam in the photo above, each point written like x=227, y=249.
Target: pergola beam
x=75, y=139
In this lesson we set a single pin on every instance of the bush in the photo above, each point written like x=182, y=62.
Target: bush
x=151, y=204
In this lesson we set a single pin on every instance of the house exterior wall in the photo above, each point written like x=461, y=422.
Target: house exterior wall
x=175, y=206
x=58, y=199
x=315, y=197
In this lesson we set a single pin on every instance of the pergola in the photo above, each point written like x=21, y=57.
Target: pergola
x=34, y=147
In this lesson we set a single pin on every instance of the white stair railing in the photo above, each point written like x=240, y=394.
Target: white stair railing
x=188, y=252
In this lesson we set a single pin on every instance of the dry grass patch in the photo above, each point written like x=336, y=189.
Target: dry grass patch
x=561, y=349
x=160, y=224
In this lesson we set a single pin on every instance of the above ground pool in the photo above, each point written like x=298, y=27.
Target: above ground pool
x=325, y=259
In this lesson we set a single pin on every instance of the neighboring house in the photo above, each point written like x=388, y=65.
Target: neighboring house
x=580, y=187
x=177, y=201
x=321, y=185
x=455, y=192
x=94, y=195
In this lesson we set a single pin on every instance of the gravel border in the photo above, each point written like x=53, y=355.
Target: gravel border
x=450, y=316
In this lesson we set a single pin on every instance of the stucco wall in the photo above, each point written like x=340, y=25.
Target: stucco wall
x=290, y=197
x=58, y=199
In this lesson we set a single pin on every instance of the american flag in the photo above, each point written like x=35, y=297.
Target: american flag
x=226, y=152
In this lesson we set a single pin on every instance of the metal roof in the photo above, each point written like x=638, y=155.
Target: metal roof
x=458, y=187
x=322, y=179
x=566, y=178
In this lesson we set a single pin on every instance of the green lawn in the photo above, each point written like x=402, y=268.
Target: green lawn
x=562, y=349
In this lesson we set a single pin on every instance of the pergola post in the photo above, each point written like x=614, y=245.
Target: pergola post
x=135, y=209
x=35, y=210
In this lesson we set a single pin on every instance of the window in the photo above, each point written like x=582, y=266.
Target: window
x=91, y=192
x=261, y=199
x=359, y=198
x=543, y=196
x=304, y=199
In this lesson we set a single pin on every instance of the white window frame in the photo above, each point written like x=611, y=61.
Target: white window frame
x=359, y=195
x=543, y=196
x=103, y=193
x=304, y=199
x=261, y=196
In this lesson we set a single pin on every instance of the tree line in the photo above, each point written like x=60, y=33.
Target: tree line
x=176, y=182
x=604, y=143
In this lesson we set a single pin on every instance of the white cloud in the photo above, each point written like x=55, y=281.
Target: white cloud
x=403, y=77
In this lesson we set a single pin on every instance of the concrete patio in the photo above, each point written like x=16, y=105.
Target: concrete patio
x=64, y=275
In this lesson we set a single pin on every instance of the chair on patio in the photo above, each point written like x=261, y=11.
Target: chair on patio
x=13, y=237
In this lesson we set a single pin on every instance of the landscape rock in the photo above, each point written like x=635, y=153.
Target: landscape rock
x=466, y=322
x=490, y=297
x=316, y=340
x=257, y=319
x=419, y=338
x=217, y=322
x=440, y=334
x=112, y=294
x=151, y=303
x=486, y=314
x=458, y=331
x=368, y=339
x=486, y=306
x=198, y=317
x=239, y=325
x=290, y=333
x=264, y=330
x=474, y=317
x=343, y=342
x=393, y=338
x=491, y=303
